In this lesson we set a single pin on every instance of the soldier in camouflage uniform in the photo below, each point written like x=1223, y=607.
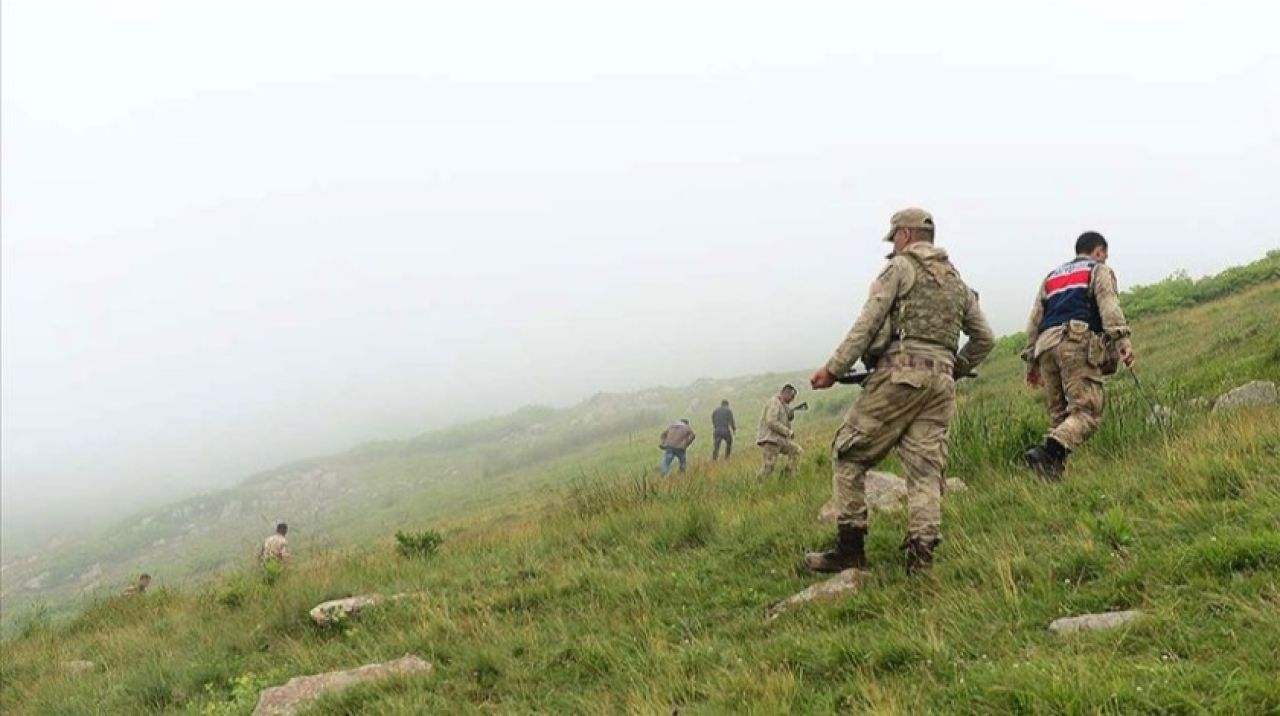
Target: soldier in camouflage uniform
x=1076, y=335
x=908, y=333
x=774, y=435
x=275, y=549
x=134, y=590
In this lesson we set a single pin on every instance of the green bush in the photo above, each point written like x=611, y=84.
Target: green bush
x=419, y=545
x=1180, y=290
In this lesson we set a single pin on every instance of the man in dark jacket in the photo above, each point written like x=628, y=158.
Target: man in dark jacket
x=1076, y=325
x=722, y=421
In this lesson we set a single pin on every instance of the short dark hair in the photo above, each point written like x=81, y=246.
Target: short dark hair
x=789, y=387
x=724, y=403
x=281, y=526
x=144, y=575
x=1089, y=241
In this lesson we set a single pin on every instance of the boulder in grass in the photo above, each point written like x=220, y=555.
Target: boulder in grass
x=955, y=484
x=79, y=666
x=332, y=612
x=299, y=692
x=1257, y=394
x=848, y=582
x=886, y=492
x=1093, y=622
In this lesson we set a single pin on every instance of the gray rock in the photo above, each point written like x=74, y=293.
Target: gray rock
x=36, y=582
x=1161, y=416
x=848, y=582
x=91, y=574
x=1093, y=622
x=886, y=492
x=334, y=611
x=79, y=666
x=1257, y=394
x=300, y=691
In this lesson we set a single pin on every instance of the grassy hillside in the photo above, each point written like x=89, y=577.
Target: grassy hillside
x=611, y=590
x=487, y=468
x=452, y=475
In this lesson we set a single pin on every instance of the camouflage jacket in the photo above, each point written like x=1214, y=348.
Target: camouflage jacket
x=775, y=422
x=872, y=335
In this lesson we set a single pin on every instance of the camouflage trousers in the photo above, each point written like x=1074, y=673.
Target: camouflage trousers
x=1071, y=379
x=906, y=408
x=770, y=452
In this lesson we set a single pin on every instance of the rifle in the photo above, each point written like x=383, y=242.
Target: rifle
x=798, y=408
x=860, y=377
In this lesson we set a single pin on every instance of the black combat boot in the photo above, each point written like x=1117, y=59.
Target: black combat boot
x=919, y=553
x=850, y=552
x=1048, y=461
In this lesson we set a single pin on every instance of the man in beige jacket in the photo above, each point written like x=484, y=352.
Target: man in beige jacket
x=774, y=435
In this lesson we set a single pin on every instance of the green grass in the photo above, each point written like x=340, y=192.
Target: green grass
x=615, y=591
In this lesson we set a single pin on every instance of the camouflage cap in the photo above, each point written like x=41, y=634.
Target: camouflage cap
x=911, y=218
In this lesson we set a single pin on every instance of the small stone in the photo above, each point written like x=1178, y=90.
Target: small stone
x=79, y=666
x=335, y=611
x=828, y=513
x=1093, y=622
x=1256, y=394
x=848, y=582
x=955, y=484
x=296, y=693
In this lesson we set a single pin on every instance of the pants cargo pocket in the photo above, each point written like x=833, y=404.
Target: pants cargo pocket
x=855, y=438
x=1097, y=355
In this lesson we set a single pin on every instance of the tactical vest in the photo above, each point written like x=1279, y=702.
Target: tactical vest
x=932, y=310
x=1067, y=297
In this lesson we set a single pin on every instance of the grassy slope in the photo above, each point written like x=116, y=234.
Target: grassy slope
x=448, y=475
x=631, y=594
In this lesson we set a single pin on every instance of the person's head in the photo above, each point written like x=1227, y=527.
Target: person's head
x=910, y=226
x=144, y=581
x=282, y=529
x=724, y=403
x=1093, y=245
x=788, y=393
x=684, y=420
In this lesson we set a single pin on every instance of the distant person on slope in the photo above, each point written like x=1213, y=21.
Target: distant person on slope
x=275, y=549
x=725, y=427
x=909, y=400
x=140, y=587
x=774, y=434
x=1076, y=335
x=674, y=441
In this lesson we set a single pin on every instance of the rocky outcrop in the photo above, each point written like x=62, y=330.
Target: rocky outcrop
x=1093, y=622
x=36, y=582
x=848, y=582
x=92, y=574
x=331, y=612
x=298, y=692
x=886, y=492
x=1257, y=394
